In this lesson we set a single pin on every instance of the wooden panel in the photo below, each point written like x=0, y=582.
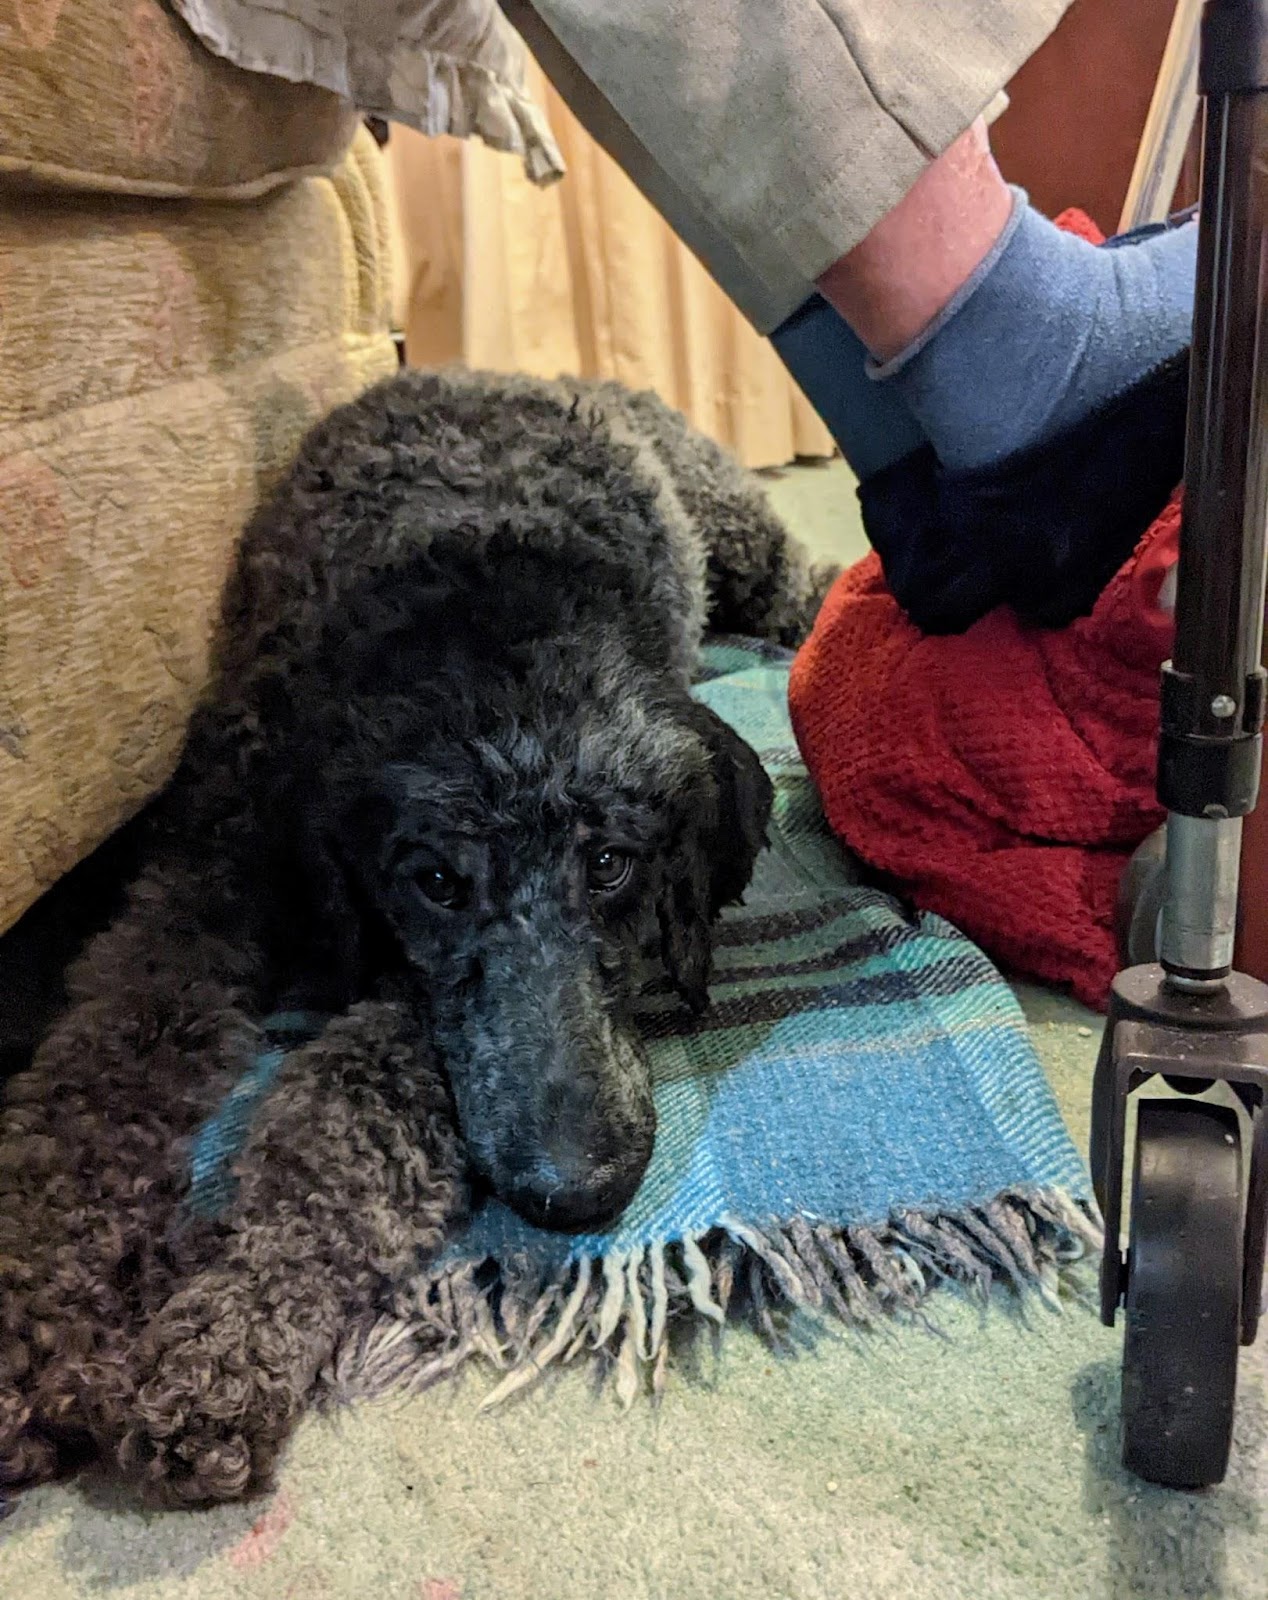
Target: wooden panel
x=1079, y=105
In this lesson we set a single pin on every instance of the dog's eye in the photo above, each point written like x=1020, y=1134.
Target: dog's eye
x=442, y=887
x=607, y=869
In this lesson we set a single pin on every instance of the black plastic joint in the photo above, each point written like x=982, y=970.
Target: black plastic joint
x=1234, y=57
x=1190, y=708
x=1209, y=777
x=1256, y=701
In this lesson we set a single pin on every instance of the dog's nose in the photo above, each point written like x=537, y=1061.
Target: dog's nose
x=577, y=1205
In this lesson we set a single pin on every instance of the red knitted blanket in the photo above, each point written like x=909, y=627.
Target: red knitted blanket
x=1001, y=777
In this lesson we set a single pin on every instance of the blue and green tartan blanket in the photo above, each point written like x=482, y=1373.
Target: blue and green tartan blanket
x=859, y=1117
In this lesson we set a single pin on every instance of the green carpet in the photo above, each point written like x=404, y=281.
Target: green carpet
x=975, y=1465
x=980, y=1464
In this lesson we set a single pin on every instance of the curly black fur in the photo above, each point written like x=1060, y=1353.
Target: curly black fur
x=450, y=789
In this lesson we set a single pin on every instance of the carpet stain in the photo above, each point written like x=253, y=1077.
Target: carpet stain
x=439, y=1589
x=267, y=1532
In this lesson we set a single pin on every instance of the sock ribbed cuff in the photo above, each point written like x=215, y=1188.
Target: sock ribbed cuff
x=879, y=371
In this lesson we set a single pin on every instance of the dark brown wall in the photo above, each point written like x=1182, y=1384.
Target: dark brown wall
x=1079, y=105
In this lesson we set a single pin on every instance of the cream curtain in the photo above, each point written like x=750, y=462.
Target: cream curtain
x=582, y=277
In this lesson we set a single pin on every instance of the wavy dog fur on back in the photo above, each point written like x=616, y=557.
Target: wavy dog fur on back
x=450, y=790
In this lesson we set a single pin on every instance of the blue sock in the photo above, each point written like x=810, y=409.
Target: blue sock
x=1046, y=330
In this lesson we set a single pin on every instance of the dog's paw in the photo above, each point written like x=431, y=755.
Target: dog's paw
x=27, y=1456
x=215, y=1397
x=44, y=1428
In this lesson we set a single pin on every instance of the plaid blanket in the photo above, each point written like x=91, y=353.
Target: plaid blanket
x=859, y=1117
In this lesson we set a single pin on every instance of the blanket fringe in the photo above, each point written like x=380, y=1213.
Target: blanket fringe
x=629, y=1309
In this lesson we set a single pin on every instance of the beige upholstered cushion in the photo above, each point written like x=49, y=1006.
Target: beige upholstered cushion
x=118, y=95
x=157, y=367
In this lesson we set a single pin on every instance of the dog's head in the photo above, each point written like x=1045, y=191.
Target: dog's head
x=525, y=843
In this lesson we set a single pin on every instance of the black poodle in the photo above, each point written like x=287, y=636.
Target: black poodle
x=451, y=791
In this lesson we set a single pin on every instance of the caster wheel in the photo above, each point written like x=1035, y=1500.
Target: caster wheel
x=1184, y=1292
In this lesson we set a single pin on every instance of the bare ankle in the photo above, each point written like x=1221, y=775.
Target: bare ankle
x=896, y=280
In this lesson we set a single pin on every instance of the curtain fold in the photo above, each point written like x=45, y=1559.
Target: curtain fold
x=583, y=277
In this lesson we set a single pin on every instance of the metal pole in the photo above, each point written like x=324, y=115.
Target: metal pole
x=1169, y=125
x=1214, y=686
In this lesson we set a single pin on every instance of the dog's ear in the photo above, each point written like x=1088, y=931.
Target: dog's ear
x=710, y=861
x=745, y=797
